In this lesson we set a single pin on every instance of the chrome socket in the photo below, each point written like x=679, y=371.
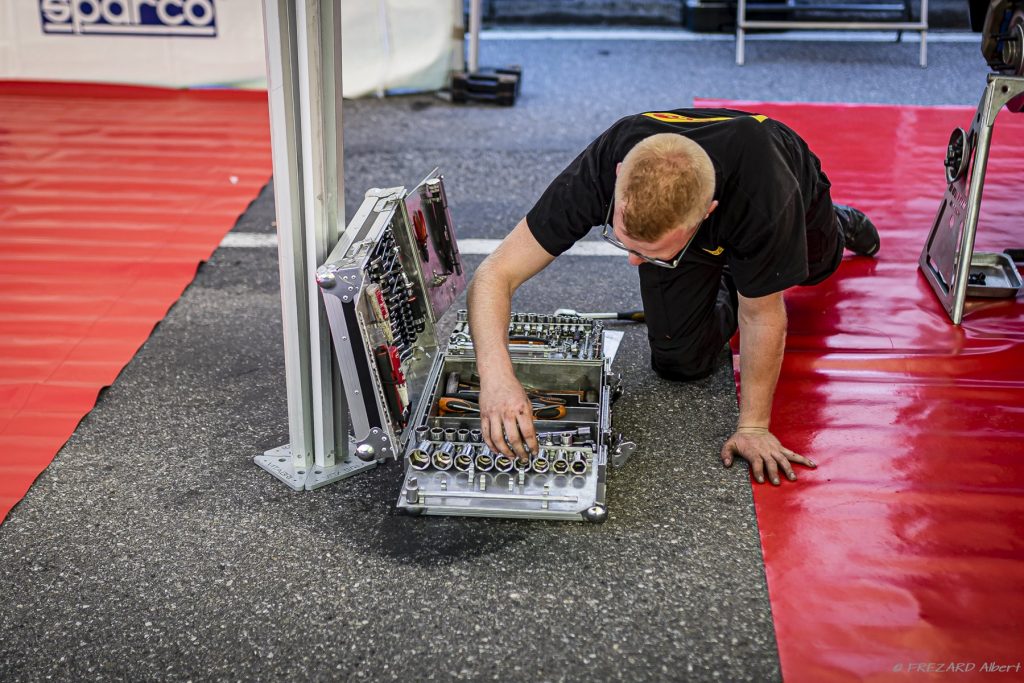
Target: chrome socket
x=579, y=464
x=484, y=460
x=475, y=435
x=540, y=463
x=503, y=463
x=419, y=457
x=462, y=436
x=443, y=456
x=450, y=433
x=464, y=458
x=561, y=463
x=436, y=434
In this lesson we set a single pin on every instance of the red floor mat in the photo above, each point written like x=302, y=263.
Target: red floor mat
x=109, y=198
x=905, y=549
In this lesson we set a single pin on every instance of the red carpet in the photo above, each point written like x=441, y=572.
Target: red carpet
x=109, y=198
x=906, y=546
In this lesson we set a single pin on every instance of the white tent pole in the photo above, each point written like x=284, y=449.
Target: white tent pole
x=475, y=19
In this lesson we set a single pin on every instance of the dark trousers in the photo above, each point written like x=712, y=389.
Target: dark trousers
x=691, y=310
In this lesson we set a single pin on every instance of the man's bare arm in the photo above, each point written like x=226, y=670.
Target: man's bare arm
x=506, y=417
x=762, y=345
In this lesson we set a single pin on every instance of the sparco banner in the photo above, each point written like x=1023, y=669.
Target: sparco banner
x=129, y=17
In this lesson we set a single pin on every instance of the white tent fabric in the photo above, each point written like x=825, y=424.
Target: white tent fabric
x=386, y=44
x=399, y=44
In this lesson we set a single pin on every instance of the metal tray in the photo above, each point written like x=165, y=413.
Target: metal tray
x=1002, y=280
x=481, y=485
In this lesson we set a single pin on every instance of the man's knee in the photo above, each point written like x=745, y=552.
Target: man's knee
x=683, y=365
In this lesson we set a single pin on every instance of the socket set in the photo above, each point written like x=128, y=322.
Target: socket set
x=395, y=272
x=540, y=335
x=462, y=450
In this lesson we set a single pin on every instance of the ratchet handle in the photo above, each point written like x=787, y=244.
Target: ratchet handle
x=458, y=406
x=549, y=412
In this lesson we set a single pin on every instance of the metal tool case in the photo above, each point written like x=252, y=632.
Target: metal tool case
x=396, y=271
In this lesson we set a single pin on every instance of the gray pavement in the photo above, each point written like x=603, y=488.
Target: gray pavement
x=153, y=549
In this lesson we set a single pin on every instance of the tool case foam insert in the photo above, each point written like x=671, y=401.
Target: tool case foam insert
x=395, y=272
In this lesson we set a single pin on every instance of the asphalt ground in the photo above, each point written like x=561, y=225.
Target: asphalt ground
x=153, y=548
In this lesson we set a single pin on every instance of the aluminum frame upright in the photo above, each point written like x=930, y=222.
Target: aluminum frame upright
x=303, y=46
x=949, y=250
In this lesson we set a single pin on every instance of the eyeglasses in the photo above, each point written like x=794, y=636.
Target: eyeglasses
x=608, y=236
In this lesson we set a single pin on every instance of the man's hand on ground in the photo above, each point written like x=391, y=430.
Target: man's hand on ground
x=506, y=418
x=764, y=452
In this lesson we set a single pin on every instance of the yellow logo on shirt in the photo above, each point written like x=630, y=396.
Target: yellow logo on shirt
x=715, y=252
x=670, y=117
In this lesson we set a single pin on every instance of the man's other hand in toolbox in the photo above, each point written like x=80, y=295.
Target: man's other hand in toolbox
x=722, y=211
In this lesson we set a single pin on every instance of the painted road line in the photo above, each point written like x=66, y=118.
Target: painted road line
x=249, y=240
x=469, y=246
x=677, y=36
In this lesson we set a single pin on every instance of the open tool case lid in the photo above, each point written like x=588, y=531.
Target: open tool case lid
x=394, y=273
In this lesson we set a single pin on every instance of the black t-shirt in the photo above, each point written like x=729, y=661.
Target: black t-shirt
x=765, y=181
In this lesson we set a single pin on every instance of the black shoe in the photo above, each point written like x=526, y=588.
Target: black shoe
x=860, y=233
